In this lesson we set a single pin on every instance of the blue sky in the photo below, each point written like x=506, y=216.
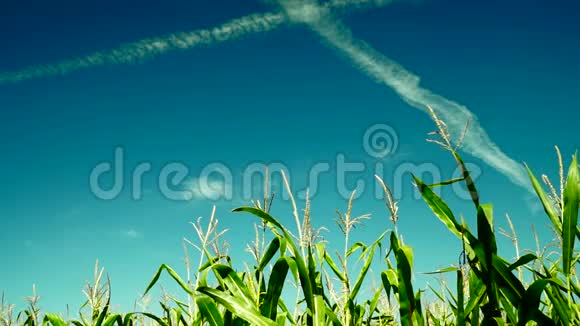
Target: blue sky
x=281, y=96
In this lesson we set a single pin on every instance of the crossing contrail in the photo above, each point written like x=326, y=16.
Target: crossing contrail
x=321, y=19
x=152, y=47
x=406, y=84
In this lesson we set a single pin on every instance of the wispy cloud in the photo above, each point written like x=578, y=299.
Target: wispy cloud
x=406, y=84
x=205, y=188
x=152, y=47
x=131, y=234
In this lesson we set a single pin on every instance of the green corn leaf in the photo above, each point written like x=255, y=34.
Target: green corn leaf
x=84, y=320
x=103, y=314
x=332, y=317
x=261, y=214
x=523, y=260
x=485, y=233
x=269, y=254
x=439, y=207
x=468, y=180
x=363, y=273
x=439, y=296
x=281, y=319
x=334, y=267
x=355, y=247
x=128, y=319
x=486, y=249
x=453, y=297
x=209, y=311
x=320, y=249
x=406, y=295
x=210, y=262
x=305, y=281
x=234, y=283
x=373, y=305
x=510, y=286
x=173, y=275
x=559, y=304
x=53, y=320
x=370, y=253
x=476, y=293
x=442, y=271
x=445, y=215
x=575, y=288
x=237, y=306
x=312, y=273
x=394, y=243
x=275, y=286
x=285, y=310
x=389, y=280
x=570, y=215
x=508, y=309
x=320, y=314
x=418, y=312
x=113, y=319
x=546, y=203
x=446, y=183
x=529, y=308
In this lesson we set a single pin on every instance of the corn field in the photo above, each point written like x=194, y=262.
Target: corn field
x=489, y=289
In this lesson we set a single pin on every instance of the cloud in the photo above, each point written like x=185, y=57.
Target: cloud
x=131, y=234
x=406, y=84
x=205, y=188
x=152, y=47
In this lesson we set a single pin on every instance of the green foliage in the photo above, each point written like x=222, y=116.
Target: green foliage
x=487, y=292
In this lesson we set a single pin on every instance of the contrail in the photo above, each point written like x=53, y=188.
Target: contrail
x=407, y=85
x=321, y=20
x=152, y=47
x=149, y=48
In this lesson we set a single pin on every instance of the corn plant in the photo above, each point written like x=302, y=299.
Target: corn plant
x=488, y=290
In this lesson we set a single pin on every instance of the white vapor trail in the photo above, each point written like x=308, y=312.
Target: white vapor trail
x=149, y=48
x=407, y=85
x=320, y=18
